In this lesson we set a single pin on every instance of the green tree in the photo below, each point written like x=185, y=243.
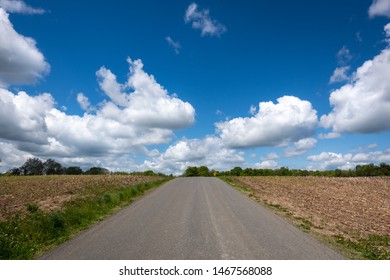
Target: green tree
x=191, y=171
x=149, y=173
x=283, y=171
x=337, y=173
x=384, y=169
x=97, y=171
x=236, y=171
x=33, y=166
x=51, y=167
x=203, y=171
x=73, y=170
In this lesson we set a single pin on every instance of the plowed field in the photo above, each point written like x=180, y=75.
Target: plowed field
x=51, y=192
x=355, y=205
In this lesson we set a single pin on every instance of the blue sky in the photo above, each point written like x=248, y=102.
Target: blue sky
x=163, y=85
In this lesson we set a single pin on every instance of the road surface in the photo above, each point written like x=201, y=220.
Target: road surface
x=193, y=218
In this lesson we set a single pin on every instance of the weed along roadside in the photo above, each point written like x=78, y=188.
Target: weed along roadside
x=349, y=214
x=39, y=227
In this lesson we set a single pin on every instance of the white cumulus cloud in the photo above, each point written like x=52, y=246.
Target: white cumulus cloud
x=301, y=147
x=363, y=105
x=330, y=160
x=289, y=120
x=17, y=6
x=209, y=151
x=83, y=102
x=20, y=60
x=201, y=19
x=22, y=117
x=144, y=101
x=124, y=124
x=11, y=157
x=108, y=83
x=266, y=164
x=379, y=8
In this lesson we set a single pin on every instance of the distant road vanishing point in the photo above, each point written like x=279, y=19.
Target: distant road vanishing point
x=193, y=218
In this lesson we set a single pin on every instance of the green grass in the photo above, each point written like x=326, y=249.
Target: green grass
x=373, y=247
x=33, y=234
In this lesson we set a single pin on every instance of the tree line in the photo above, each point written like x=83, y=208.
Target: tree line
x=367, y=170
x=35, y=166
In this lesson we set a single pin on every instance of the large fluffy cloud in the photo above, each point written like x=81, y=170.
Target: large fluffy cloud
x=201, y=19
x=289, y=120
x=330, y=160
x=363, y=106
x=126, y=123
x=36, y=126
x=209, y=151
x=23, y=117
x=149, y=104
x=11, y=157
x=20, y=60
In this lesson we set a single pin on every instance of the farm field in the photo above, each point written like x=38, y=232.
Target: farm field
x=352, y=213
x=39, y=212
x=50, y=193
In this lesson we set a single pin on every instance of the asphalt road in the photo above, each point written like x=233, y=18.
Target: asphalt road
x=193, y=218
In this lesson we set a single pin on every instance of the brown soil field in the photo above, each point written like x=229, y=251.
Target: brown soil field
x=347, y=206
x=52, y=192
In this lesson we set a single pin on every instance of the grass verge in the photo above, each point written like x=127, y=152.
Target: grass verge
x=28, y=236
x=354, y=245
